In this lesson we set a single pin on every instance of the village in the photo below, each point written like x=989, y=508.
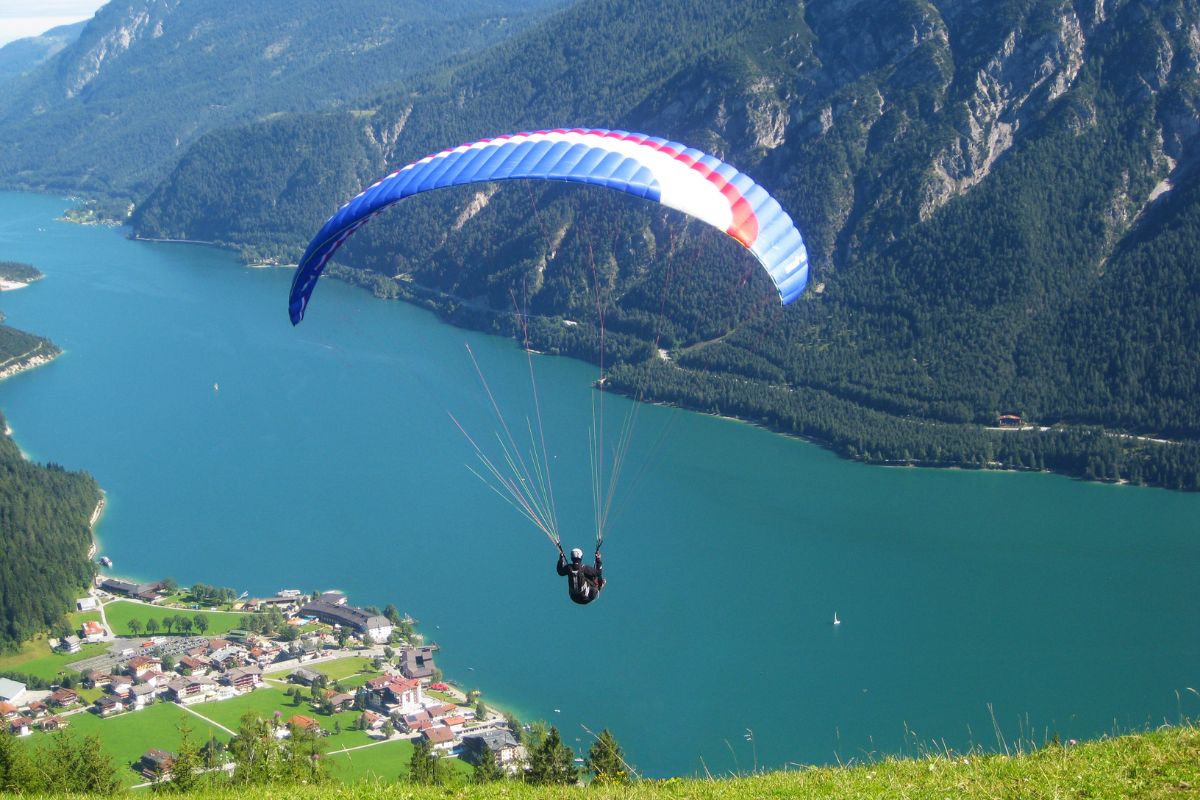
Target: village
x=334, y=670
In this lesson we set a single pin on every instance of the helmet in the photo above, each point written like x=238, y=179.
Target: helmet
x=577, y=554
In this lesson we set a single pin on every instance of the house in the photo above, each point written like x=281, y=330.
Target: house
x=439, y=709
x=1010, y=420
x=286, y=605
x=304, y=676
x=37, y=709
x=143, y=695
x=19, y=726
x=69, y=644
x=140, y=665
x=50, y=724
x=186, y=691
x=108, y=705
x=196, y=665
x=342, y=702
x=156, y=764
x=374, y=721
x=501, y=744
x=64, y=697
x=154, y=678
x=305, y=724
x=121, y=685
x=394, y=695
x=149, y=593
x=327, y=609
x=95, y=679
x=7, y=709
x=91, y=631
x=228, y=656
x=439, y=737
x=404, y=693
x=244, y=679
x=86, y=604
x=455, y=723
x=11, y=691
x=117, y=586
x=416, y=721
x=417, y=662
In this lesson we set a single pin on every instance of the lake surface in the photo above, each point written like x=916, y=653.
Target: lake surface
x=327, y=459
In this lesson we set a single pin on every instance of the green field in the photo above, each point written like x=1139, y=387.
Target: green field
x=119, y=612
x=126, y=736
x=36, y=658
x=350, y=672
x=384, y=763
x=265, y=702
x=346, y=667
x=77, y=618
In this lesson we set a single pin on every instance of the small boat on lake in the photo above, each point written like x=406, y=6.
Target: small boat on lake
x=836, y=621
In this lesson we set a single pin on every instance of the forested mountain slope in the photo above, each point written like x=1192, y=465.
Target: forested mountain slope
x=45, y=536
x=111, y=112
x=999, y=198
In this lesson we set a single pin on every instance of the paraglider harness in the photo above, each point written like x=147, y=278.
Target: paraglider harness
x=583, y=583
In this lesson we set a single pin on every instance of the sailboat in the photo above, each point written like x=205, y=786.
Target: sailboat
x=836, y=621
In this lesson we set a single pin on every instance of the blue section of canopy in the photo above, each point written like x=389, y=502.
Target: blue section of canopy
x=778, y=244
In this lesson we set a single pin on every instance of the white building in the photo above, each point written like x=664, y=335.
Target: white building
x=11, y=691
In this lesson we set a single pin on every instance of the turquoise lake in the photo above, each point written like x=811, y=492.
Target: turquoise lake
x=327, y=459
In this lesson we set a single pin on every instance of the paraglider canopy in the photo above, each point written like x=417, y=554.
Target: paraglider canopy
x=658, y=170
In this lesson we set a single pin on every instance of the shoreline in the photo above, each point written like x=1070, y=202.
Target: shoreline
x=25, y=362
x=97, y=512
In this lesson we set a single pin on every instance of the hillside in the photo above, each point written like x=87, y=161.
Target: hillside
x=1162, y=764
x=45, y=535
x=111, y=112
x=993, y=193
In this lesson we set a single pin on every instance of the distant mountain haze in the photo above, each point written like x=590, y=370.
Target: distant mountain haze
x=113, y=111
x=23, y=55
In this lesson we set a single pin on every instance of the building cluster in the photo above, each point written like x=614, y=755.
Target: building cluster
x=398, y=699
x=188, y=670
x=214, y=669
x=330, y=608
x=21, y=713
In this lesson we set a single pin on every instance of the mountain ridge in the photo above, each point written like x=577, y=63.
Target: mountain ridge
x=979, y=183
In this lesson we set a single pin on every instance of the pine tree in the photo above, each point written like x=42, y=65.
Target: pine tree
x=424, y=767
x=488, y=770
x=17, y=772
x=552, y=762
x=606, y=761
x=79, y=766
x=185, y=771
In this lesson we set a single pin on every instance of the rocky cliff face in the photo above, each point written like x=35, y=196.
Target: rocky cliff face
x=118, y=27
x=1028, y=70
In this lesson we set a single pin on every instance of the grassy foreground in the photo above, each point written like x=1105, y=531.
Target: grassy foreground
x=1159, y=764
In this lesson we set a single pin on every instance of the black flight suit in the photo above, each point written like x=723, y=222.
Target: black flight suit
x=583, y=582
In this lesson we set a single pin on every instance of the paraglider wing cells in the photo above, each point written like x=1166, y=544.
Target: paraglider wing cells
x=658, y=170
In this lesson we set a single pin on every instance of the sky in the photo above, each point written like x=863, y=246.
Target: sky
x=21, y=18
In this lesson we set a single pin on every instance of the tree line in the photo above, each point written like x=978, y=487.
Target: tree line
x=257, y=756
